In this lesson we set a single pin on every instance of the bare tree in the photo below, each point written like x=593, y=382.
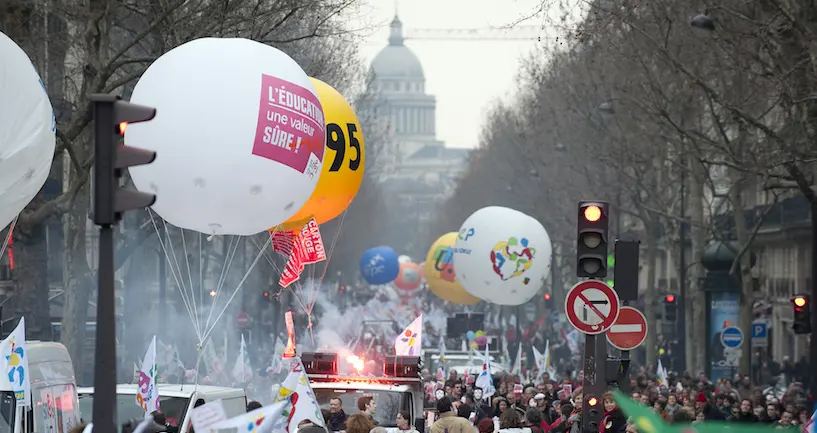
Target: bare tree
x=101, y=47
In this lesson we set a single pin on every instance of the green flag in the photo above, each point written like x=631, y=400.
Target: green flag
x=647, y=421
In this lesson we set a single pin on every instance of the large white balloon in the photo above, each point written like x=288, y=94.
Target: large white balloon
x=239, y=136
x=27, y=131
x=502, y=255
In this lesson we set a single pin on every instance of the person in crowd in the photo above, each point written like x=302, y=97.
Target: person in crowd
x=511, y=422
x=744, y=413
x=253, y=405
x=337, y=417
x=448, y=422
x=367, y=406
x=613, y=420
x=404, y=422
x=359, y=423
x=710, y=412
x=485, y=426
x=533, y=418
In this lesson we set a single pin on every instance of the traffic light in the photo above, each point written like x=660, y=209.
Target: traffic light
x=592, y=236
x=802, y=314
x=266, y=296
x=611, y=263
x=593, y=413
x=111, y=118
x=670, y=308
x=548, y=300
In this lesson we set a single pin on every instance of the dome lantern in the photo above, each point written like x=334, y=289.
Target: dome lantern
x=396, y=33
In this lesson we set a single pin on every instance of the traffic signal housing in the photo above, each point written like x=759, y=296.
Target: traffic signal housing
x=548, y=300
x=670, y=308
x=594, y=413
x=592, y=238
x=111, y=118
x=802, y=314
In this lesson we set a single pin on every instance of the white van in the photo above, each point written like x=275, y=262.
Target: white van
x=55, y=408
x=176, y=401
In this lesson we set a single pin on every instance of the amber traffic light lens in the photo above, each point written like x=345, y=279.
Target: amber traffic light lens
x=592, y=401
x=800, y=301
x=122, y=127
x=592, y=213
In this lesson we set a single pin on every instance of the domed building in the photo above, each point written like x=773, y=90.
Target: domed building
x=418, y=171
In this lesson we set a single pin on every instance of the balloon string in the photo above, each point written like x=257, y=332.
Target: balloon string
x=8, y=238
x=314, y=297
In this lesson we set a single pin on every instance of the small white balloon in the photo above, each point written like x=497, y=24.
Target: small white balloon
x=502, y=255
x=239, y=136
x=27, y=131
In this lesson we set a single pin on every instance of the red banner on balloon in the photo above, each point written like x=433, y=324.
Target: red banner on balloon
x=304, y=249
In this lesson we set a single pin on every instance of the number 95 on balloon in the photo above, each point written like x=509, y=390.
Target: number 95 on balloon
x=344, y=141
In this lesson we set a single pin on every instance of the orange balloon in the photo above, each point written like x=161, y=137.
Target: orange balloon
x=410, y=276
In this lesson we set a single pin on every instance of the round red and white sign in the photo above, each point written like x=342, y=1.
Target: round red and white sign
x=242, y=319
x=629, y=331
x=591, y=307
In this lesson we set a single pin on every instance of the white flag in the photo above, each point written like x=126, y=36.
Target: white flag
x=484, y=380
x=147, y=396
x=410, y=341
x=548, y=366
x=15, y=357
x=262, y=420
x=242, y=371
x=517, y=364
x=296, y=388
x=661, y=375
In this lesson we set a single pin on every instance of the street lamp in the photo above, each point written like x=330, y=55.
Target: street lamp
x=703, y=22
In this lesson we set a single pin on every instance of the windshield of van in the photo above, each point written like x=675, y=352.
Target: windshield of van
x=6, y=411
x=388, y=402
x=127, y=409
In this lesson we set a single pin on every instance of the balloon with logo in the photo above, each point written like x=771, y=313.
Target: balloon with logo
x=409, y=278
x=344, y=161
x=233, y=158
x=502, y=255
x=440, y=275
x=379, y=265
x=27, y=131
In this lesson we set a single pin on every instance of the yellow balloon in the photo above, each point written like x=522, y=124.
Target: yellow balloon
x=343, y=161
x=440, y=275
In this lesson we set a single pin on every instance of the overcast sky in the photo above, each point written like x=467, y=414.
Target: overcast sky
x=465, y=76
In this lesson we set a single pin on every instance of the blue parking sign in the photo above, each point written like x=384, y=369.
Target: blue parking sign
x=760, y=330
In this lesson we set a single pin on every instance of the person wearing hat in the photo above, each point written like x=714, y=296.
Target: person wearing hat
x=711, y=413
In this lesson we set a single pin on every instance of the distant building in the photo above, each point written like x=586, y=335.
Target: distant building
x=418, y=172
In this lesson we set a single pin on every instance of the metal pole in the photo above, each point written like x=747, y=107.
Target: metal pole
x=162, y=284
x=104, y=407
x=813, y=345
x=518, y=332
x=682, y=273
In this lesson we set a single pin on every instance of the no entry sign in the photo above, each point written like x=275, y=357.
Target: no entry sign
x=629, y=331
x=591, y=307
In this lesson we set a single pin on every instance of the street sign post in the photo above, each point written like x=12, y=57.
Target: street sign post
x=732, y=338
x=629, y=330
x=760, y=334
x=592, y=307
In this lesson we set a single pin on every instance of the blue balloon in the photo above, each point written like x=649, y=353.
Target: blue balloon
x=470, y=335
x=379, y=265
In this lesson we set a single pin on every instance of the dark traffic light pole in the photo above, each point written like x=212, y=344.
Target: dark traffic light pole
x=681, y=330
x=109, y=202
